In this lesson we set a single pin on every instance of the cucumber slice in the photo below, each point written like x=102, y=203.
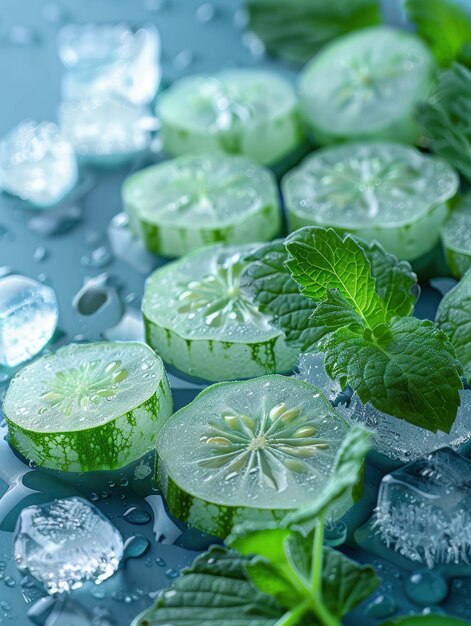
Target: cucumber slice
x=197, y=319
x=384, y=191
x=89, y=406
x=248, y=450
x=366, y=84
x=456, y=237
x=251, y=112
x=182, y=204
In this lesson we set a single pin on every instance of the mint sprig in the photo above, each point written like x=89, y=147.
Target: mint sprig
x=360, y=317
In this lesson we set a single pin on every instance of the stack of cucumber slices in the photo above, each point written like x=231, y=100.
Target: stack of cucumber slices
x=88, y=406
x=366, y=85
x=198, y=320
x=250, y=112
x=249, y=450
x=184, y=203
x=379, y=191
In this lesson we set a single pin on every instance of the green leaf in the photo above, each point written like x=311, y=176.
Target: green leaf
x=271, y=579
x=395, y=282
x=266, y=540
x=411, y=373
x=345, y=584
x=446, y=118
x=214, y=591
x=348, y=471
x=320, y=260
x=270, y=285
x=454, y=318
x=297, y=29
x=426, y=620
x=333, y=313
x=442, y=24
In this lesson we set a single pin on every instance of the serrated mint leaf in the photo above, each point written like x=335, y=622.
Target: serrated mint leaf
x=269, y=283
x=296, y=30
x=446, y=118
x=203, y=594
x=321, y=260
x=333, y=313
x=411, y=373
x=443, y=24
x=454, y=318
x=395, y=282
x=347, y=473
x=345, y=584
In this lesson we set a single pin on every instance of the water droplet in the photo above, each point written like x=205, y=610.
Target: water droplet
x=205, y=12
x=426, y=587
x=160, y=562
x=183, y=59
x=255, y=45
x=381, y=607
x=135, y=546
x=136, y=515
x=172, y=574
x=98, y=258
x=40, y=254
x=10, y=582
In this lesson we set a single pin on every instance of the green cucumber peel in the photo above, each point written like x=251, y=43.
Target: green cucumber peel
x=361, y=299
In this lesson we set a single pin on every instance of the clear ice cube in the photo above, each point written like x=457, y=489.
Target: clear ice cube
x=65, y=543
x=28, y=318
x=110, y=59
x=37, y=163
x=424, y=509
x=392, y=437
x=105, y=127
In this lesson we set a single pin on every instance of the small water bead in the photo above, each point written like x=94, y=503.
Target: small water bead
x=205, y=12
x=9, y=581
x=160, y=562
x=381, y=607
x=123, y=482
x=183, y=59
x=171, y=574
x=136, y=515
x=426, y=587
x=136, y=546
x=40, y=254
x=98, y=258
x=335, y=533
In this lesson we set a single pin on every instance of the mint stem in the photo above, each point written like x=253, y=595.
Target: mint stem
x=294, y=616
x=317, y=558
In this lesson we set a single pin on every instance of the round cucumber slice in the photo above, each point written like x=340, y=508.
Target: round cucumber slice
x=198, y=320
x=386, y=192
x=248, y=450
x=251, y=112
x=456, y=237
x=182, y=204
x=366, y=84
x=89, y=406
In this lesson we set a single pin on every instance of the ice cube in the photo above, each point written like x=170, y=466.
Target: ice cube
x=65, y=543
x=392, y=437
x=28, y=318
x=37, y=163
x=105, y=128
x=401, y=441
x=424, y=509
x=110, y=59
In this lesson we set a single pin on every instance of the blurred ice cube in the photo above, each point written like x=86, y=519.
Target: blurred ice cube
x=105, y=128
x=110, y=59
x=37, y=163
x=65, y=543
x=393, y=437
x=424, y=509
x=28, y=318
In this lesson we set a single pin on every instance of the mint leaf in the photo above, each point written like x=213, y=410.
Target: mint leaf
x=347, y=473
x=395, y=282
x=213, y=591
x=446, y=118
x=298, y=29
x=320, y=260
x=345, y=584
x=411, y=373
x=454, y=318
x=442, y=24
x=264, y=539
x=270, y=285
x=271, y=579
